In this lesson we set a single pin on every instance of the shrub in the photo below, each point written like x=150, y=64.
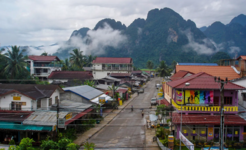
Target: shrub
x=49, y=144
x=11, y=142
x=62, y=143
x=72, y=146
x=89, y=146
x=26, y=144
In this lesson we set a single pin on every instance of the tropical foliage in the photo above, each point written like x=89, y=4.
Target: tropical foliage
x=163, y=69
x=77, y=59
x=90, y=83
x=150, y=64
x=89, y=146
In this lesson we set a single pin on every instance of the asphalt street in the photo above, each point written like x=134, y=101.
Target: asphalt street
x=127, y=129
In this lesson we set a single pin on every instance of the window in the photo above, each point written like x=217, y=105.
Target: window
x=243, y=96
x=56, y=101
x=228, y=100
x=45, y=70
x=39, y=104
x=50, y=101
x=16, y=105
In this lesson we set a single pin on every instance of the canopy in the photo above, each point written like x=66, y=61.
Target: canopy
x=107, y=98
x=16, y=126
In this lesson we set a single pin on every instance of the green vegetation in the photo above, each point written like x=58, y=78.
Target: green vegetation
x=89, y=146
x=163, y=69
x=90, y=83
x=150, y=64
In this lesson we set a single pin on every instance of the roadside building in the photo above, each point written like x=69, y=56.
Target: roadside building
x=108, y=80
x=218, y=71
x=28, y=97
x=197, y=64
x=42, y=66
x=122, y=76
x=200, y=102
x=69, y=78
x=104, y=66
x=180, y=74
x=241, y=93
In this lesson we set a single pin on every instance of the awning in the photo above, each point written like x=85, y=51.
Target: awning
x=107, y=98
x=16, y=126
x=78, y=116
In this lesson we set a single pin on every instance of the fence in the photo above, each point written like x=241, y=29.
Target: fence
x=162, y=147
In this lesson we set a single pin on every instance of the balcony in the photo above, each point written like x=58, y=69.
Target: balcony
x=41, y=74
x=205, y=109
x=48, y=65
x=113, y=69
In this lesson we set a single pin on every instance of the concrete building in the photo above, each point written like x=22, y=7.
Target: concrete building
x=42, y=66
x=28, y=97
x=104, y=66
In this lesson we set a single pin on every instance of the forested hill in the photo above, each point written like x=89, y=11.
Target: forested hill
x=163, y=35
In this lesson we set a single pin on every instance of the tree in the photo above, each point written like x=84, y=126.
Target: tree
x=65, y=65
x=44, y=54
x=88, y=60
x=90, y=83
x=14, y=63
x=77, y=59
x=163, y=69
x=173, y=65
x=150, y=64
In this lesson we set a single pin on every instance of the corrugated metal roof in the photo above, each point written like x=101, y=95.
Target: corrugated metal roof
x=111, y=78
x=72, y=106
x=84, y=91
x=199, y=64
x=45, y=118
x=202, y=119
x=120, y=74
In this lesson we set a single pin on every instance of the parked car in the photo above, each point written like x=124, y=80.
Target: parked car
x=141, y=90
x=157, y=86
x=153, y=101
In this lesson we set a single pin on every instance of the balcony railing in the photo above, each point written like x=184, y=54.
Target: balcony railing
x=113, y=68
x=204, y=108
x=47, y=65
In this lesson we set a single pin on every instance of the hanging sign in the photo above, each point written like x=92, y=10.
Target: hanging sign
x=186, y=142
x=210, y=132
x=61, y=122
x=102, y=100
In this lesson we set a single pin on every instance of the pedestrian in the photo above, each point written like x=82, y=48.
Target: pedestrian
x=142, y=113
x=138, y=93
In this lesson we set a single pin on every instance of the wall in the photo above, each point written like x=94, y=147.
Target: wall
x=6, y=100
x=61, y=80
x=102, y=74
x=240, y=98
x=203, y=96
x=73, y=97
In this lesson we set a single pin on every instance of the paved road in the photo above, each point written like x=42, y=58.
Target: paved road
x=127, y=130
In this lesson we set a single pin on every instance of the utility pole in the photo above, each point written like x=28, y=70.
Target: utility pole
x=222, y=117
x=57, y=117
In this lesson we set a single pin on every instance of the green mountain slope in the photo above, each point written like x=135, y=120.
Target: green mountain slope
x=163, y=35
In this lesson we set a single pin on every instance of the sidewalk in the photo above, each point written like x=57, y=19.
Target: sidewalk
x=150, y=145
x=82, y=138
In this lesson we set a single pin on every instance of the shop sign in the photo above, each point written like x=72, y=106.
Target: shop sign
x=186, y=142
x=68, y=116
x=210, y=132
x=17, y=98
x=61, y=123
x=102, y=100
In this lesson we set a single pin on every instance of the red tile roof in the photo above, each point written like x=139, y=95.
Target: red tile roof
x=113, y=60
x=43, y=58
x=120, y=74
x=70, y=75
x=202, y=80
x=122, y=90
x=205, y=119
x=180, y=74
x=243, y=57
x=218, y=71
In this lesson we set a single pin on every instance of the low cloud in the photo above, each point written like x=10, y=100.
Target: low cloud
x=206, y=46
x=96, y=41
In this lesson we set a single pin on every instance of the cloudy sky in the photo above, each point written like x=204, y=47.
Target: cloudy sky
x=44, y=22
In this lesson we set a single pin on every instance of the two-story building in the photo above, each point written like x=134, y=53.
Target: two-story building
x=42, y=66
x=200, y=105
x=104, y=66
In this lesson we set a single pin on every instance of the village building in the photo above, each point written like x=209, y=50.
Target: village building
x=28, y=97
x=200, y=102
x=69, y=78
x=104, y=66
x=42, y=66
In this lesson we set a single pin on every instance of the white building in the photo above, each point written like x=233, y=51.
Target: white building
x=42, y=66
x=103, y=66
x=28, y=97
x=241, y=93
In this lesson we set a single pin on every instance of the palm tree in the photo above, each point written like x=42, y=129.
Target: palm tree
x=163, y=69
x=89, y=60
x=77, y=59
x=44, y=54
x=14, y=62
x=150, y=64
x=65, y=65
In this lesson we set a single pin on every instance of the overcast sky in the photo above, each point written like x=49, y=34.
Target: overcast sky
x=43, y=22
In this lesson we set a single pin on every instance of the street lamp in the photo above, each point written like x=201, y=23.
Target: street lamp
x=186, y=84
